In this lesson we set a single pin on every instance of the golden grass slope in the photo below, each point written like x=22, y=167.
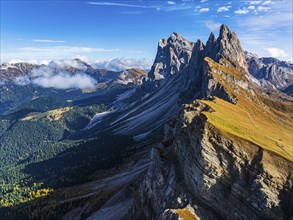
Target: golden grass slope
x=266, y=122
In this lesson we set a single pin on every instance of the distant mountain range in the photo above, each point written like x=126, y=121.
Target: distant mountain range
x=268, y=72
x=271, y=73
x=205, y=134
x=68, y=79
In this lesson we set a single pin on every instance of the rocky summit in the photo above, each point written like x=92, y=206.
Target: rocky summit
x=206, y=134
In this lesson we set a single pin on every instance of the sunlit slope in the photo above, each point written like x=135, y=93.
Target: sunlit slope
x=255, y=118
x=52, y=115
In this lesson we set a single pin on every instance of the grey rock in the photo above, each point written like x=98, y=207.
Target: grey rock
x=271, y=73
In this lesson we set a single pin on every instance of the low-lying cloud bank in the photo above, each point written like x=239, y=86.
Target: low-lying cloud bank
x=70, y=73
x=65, y=81
x=48, y=77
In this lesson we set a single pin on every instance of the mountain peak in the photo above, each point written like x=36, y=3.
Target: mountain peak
x=227, y=46
x=175, y=35
x=224, y=30
x=173, y=55
x=212, y=37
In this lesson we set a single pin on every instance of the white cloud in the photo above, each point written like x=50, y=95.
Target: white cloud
x=158, y=6
x=48, y=41
x=38, y=62
x=251, y=7
x=204, y=9
x=241, y=11
x=213, y=26
x=22, y=80
x=263, y=8
x=67, y=63
x=64, y=50
x=171, y=3
x=119, y=64
x=203, y=1
x=254, y=2
x=276, y=52
x=54, y=52
x=268, y=30
x=55, y=75
x=267, y=3
x=65, y=81
x=223, y=8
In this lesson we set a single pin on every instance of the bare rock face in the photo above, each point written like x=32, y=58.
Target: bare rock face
x=201, y=173
x=173, y=55
x=10, y=71
x=226, y=46
x=198, y=171
x=238, y=181
x=271, y=73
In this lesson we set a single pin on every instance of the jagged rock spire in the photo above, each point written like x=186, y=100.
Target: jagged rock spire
x=173, y=55
x=210, y=45
x=228, y=46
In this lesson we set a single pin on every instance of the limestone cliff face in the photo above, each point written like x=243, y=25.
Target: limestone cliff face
x=239, y=180
x=199, y=172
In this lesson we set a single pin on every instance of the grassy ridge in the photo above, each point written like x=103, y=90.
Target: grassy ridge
x=258, y=119
x=259, y=127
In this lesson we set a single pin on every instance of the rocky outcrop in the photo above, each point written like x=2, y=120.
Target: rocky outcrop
x=134, y=76
x=202, y=173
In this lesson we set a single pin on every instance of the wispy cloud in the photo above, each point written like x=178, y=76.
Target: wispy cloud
x=276, y=52
x=48, y=77
x=117, y=4
x=204, y=10
x=55, y=52
x=268, y=29
x=48, y=41
x=242, y=11
x=64, y=49
x=167, y=6
x=254, y=2
x=171, y=3
x=223, y=8
x=267, y=3
x=38, y=62
x=263, y=8
x=260, y=2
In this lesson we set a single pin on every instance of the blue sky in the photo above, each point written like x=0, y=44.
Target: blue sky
x=101, y=30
